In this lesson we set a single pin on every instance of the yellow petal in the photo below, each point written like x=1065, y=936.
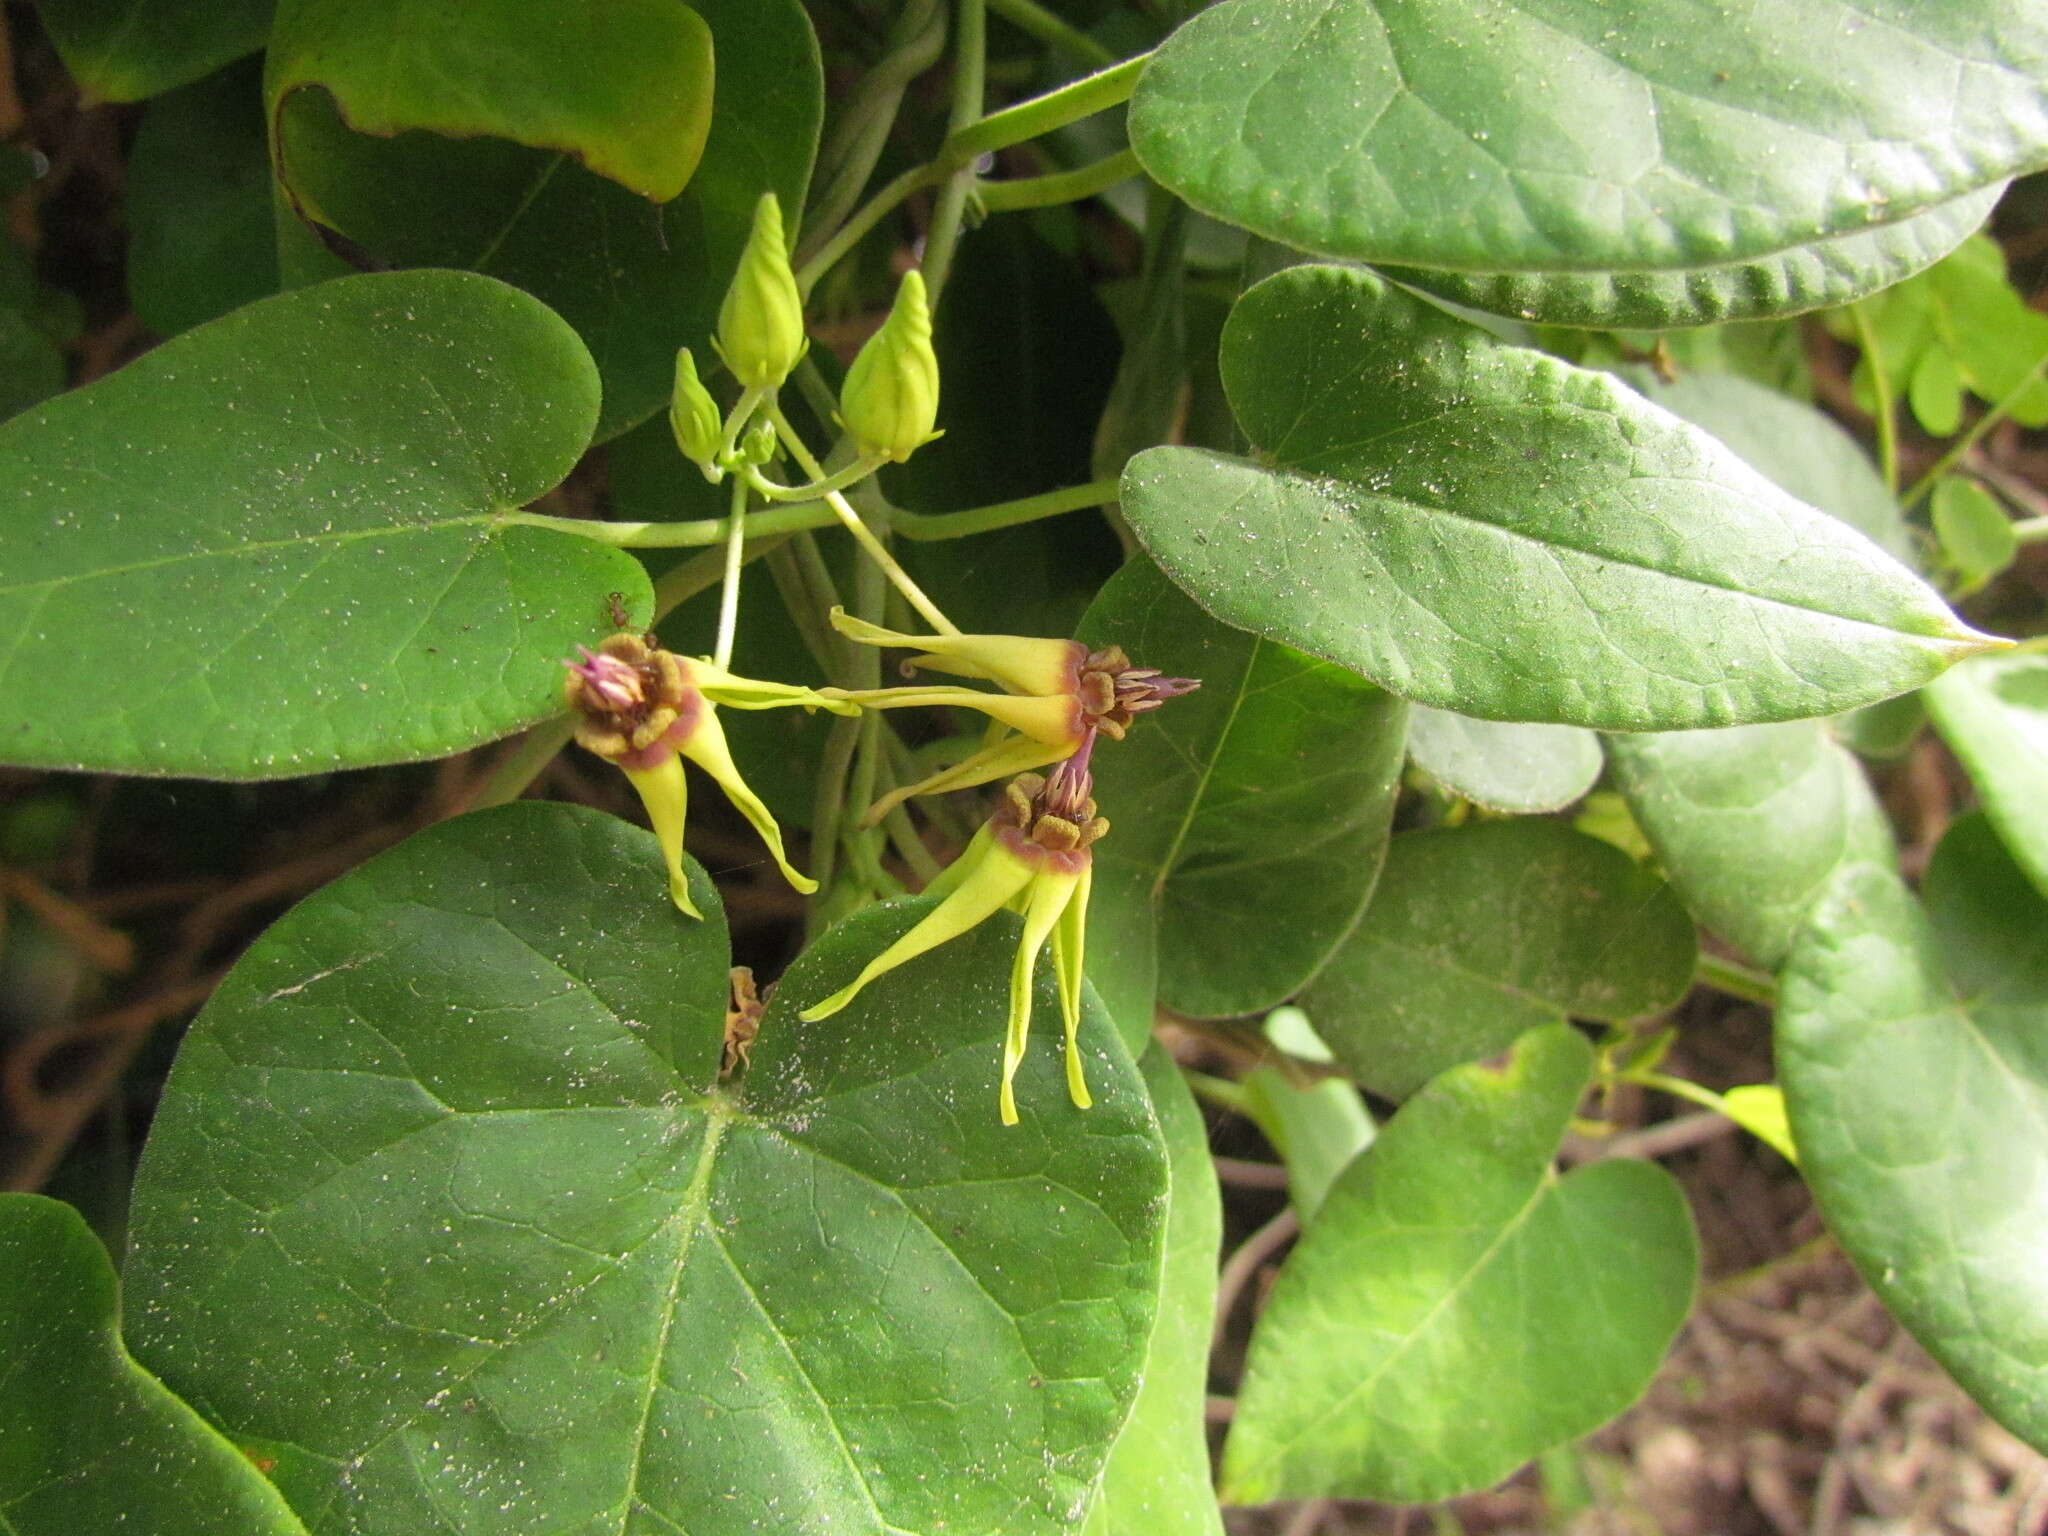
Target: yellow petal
x=1023, y=664
x=1069, y=942
x=736, y=692
x=1013, y=754
x=667, y=798
x=707, y=749
x=1049, y=896
x=1056, y=721
x=995, y=875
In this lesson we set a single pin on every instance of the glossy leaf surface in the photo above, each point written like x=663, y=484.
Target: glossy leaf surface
x=1994, y=715
x=1157, y=1479
x=89, y=1441
x=1483, y=528
x=304, y=498
x=635, y=280
x=444, y=1204
x=1247, y=818
x=1456, y=1308
x=1750, y=824
x=1504, y=766
x=1913, y=1051
x=1816, y=275
x=1556, y=135
x=124, y=50
x=1481, y=932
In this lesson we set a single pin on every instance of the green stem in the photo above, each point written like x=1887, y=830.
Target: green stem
x=1736, y=980
x=729, y=594
x=1997, y=412
x=1034, y=19
x=858, y=470
x=2028, y=530
x=970, y=94
x=750, y=399
x=854, y=230
x=930, y=527
x=694, y=534
x=1042, y=114
x=1061, y=186
x=1220, y=1091
x=862, y=533
x=1678, y=1088
x=847, y=160
x=1881, y=387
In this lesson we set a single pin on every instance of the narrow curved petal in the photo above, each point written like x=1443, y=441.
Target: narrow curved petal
x=707, y=749
x=1022, y=664
x=1049, y=896
x=1011, y=755
x=1068, y=950
x=1053, y=720
x=666, y=795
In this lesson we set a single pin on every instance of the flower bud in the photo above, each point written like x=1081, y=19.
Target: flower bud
x=891, y=398
x=759, y=444
x=761, y=322
x=694, y=418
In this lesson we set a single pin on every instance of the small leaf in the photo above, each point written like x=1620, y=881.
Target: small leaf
x=1483, y=528
x=1566, y=137
x=1750, y=824
x=637, y=281
x=1457, y=1308
x=443, y=1200
x=1976, y=535
x=1504, y=767
x=1816, y=275
x=304, y=499
x=1910, y=1047
x=124, y=50
x=626, y=91
x=1157, y=1479
x=1317, y=1128
x=1247, y=819
x=1481, y=932
x=89, y=1441
x=1994, y=716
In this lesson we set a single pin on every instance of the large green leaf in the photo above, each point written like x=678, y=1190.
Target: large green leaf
x=1157, y=1479
x=1751, y=823
x=625, y=90
x=303, y=501
x=1994, y=714
x=89, y=1441
x=1569, y=136
x=1247, y=819
x=1486, y=529
x=1913, y=1050
x=635, y=280
x=444, y=1209
x=1825, y=272
x=200, y=235
x=124, y=50
x=1478, y=933
x=1457, y=1308
x=1504, y=766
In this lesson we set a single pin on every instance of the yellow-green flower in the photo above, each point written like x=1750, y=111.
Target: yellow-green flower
x=1033, y=857
x=1057, y=694
x=646, y=709
x=890, y=401
x=761, y=321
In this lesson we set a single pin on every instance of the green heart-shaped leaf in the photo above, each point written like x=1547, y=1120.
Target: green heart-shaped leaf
x=1478, y=933
x=305, y=501
x=1994, y=714
x=89, y=1441
x=1247, y=819
x=1831, y=271
x=1913, y=1051
x=635, y=280
x=1752, y=823
x=1561, y=136
x=1483, y=528
x=1456, y=1308
x=445, y=1206
x=1157, y=1479
x=124, y=50
x=1503, y=765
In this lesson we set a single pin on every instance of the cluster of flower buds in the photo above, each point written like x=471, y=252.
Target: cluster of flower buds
x=1033, y=857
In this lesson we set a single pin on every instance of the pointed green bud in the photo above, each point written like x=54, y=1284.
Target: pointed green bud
x=891, y=398
x=761, y=322
x=758, y=444
x=694, y=418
